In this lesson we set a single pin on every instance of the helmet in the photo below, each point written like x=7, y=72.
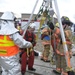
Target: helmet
x=57, y=24
x=66, y=20
x=44, y=26
x=32, y=25
x=8, y=16
x=45, y=30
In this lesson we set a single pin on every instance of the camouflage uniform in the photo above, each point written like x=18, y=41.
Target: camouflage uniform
x=46, y=44
x=60, y=57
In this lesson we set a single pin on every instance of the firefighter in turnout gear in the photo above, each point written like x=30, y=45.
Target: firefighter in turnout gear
x=61, y=65
x=10, y=41
x=45, y=37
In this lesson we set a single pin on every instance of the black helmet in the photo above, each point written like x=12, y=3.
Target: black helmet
x=50, y=24
x=66, y=20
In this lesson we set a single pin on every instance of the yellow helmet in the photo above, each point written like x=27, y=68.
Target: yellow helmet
x=57, y=25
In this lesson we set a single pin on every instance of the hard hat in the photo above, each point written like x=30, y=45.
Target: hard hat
x=32, y=25
x=8, y=16
x=66, y=20
x=44, y=26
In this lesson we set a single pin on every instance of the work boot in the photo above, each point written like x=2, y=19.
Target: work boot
x=73, y=55
x=46, y=60
x=41, y=59
x=32, y=69
x=57, y=72
x=23, y=73
x=71, y=73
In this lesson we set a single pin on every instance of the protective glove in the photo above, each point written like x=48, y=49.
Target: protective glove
x=30, y=46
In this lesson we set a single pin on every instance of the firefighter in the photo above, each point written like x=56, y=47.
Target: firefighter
x=27, y=56
x=10, y=41
x=54, y=42
x=45, y=37
x=61, y=66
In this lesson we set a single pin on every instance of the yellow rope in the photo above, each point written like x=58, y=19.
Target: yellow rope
x=41, y=23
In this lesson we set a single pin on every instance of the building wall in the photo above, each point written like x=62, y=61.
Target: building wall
x=24, y=16
x=27, y=16
x=1, y=14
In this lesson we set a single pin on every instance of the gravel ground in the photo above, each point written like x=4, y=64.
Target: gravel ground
x=39, y=47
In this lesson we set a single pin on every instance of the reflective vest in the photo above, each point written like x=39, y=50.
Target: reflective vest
x=7, y=46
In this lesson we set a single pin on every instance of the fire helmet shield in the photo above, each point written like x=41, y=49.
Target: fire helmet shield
x=7, y=24
x=8, y=16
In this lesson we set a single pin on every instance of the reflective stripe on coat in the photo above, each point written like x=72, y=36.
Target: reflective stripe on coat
x=7, y=46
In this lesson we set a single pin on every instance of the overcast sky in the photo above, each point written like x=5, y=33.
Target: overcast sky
x=66, y=7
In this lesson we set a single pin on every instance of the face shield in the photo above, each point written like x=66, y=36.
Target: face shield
x=10, y=17
x=7, y=25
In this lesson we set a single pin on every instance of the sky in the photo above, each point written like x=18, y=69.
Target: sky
x=66, y=7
